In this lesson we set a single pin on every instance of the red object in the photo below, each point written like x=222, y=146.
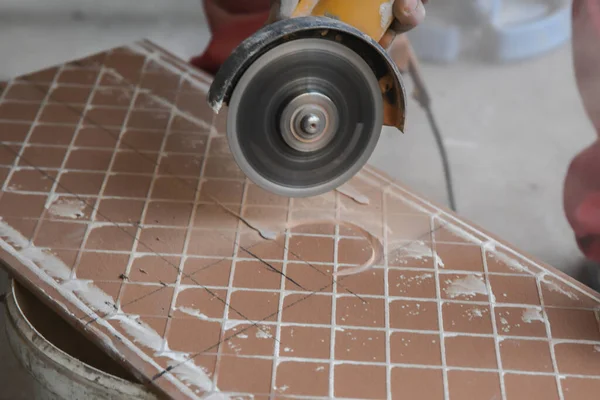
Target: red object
x=582, y=185
x=230, y=22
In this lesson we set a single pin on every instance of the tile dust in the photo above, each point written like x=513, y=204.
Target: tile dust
x=120, y=200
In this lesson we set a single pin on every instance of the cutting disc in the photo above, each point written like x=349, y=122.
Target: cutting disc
x=305, y=117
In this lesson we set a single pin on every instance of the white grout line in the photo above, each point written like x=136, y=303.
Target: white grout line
x=386, y=280
x=282, y=295
x=561, y=394
x=333, y=329
x=492, y=304
x=438, y=290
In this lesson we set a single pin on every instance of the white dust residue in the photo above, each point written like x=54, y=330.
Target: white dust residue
x=416, y=250
x=475, y=313
x=460, y=232
x=386, y=12
x=233, y=323
x=263, y=333
x=352, y=193
x=510, y=262
x=532, y=314
x=67, y=208
x=319, y=369
x=597, y=348
x=97, y=299
x=234, y=347
x=469, y=286
x=418, y=280
x=554, y=287
x=193, y=312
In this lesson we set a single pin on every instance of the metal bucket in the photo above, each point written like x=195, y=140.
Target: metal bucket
x=62, y=362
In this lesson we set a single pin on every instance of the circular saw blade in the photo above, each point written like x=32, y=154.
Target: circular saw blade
x=259, y=104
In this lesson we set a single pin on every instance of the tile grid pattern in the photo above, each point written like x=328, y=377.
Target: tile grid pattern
x=334, y=361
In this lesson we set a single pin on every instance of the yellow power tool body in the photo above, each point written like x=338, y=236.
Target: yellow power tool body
x=309, y=94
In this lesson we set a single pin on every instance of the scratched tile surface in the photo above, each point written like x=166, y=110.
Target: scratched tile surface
x=122, y=207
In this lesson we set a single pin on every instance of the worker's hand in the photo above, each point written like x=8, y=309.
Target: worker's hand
x=409, y=14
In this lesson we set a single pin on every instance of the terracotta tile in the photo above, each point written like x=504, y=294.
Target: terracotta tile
x=155, y=120
x=70, y=94
x=256, y=275
x=466, y=318
x=558, y=294
x=417, y=315
x=255, y=306
x=114, y=97
x=78, y=76
x=168, y=213
x=360, y=345
x=156, y=324
x=578, y=358
x=312, y=249
x=234, y=328
x=125, y=185
x=521, y=290
x=186, y=143
x=460, y=257
x=43, y=157
x=61, y=114
x=135, y=162
x=183, y=335
x=146, y=101
x=118, y=210
x=374, y=195
x=471, y=352
x=370, y=282
x=573, y=324
x=352, y=311
x=305, y=342
x=499, y=262
x=403, y=383
x=52, y=134
x=82, y=183
x=315, y=278
x=15, y=131
x=91, y=160
x=245, y=375
x=102, y=266
x=111, y=80
x=180, y=165
x=102, y=137
x=141, y=140
x=18, y=111
x=307, y=227
x=579, y=389
x=147, y=300
x=360, y=381
x=21, y=205
x=415, y=348
x=450, y=232
x=211, y=243
x=106, y=116
x=354, y=224
x=302, y=379
x=307, y=309
x=129, y=66
x=46, y=75
x=156, y=80
x=200, y=303
x=273, y=219
x=222, y=167
x=468, y=385
x=8, y=154
x=212, y=215
x=206, y=271
x=250, y=341
x=167, y=188
x=520, y=322
x=219, y=147
x=464, y=287
x=154, y=269
x=526, y=387
x=223, y=192
x=526, y=355
x=163, y=240
x=60, y=235
x=408, y=227
x=415, y=254
x=411, y=284
x=259, y=197
x=111, y=238
x=357, y=252
x=252, y=245
x=25, y=91
x=3, y=174
x=25, y=227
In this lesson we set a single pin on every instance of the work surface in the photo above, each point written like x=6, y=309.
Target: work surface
x=123, y=209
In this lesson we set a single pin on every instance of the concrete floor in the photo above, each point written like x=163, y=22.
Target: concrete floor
x=511, y=130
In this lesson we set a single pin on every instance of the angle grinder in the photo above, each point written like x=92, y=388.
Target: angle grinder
x=308, y=95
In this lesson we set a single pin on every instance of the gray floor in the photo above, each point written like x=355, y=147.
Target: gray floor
x=511, y=130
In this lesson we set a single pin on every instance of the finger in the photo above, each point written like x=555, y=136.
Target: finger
x=409, y=13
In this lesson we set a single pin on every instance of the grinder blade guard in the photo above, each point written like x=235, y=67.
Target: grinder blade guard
x=307, y=99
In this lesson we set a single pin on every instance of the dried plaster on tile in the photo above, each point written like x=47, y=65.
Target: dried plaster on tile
x=532, y=314
x=416, y=250
x=193, y=312
x=469, y=286
x=183, y=368
x=67, y=208
x=419, y=279
x=554, y=287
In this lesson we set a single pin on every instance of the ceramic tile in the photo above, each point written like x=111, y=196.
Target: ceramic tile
x=142, y=228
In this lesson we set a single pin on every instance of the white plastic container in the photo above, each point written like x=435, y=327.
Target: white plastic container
x=62, y=362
